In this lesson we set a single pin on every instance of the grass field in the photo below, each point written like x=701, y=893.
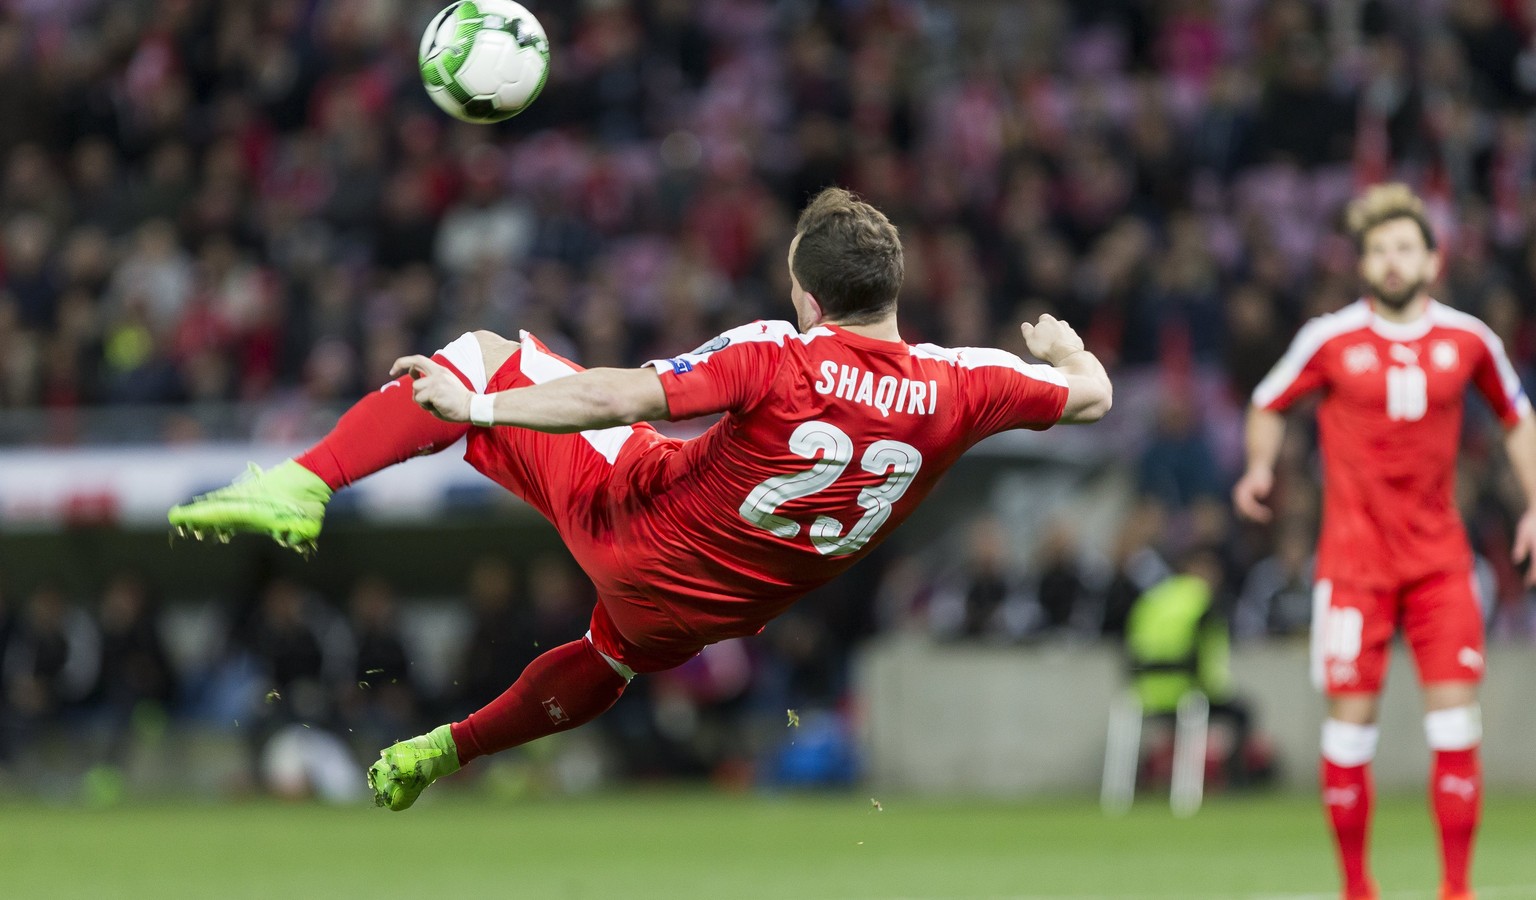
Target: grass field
x=671, y=844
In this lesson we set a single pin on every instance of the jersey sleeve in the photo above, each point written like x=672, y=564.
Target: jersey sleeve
x=1298, y=373
x=1005, y=392
x=731, y=372
x=1496, y=379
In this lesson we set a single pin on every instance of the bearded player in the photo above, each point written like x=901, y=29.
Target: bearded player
x=832, y=432
x=1393, y=369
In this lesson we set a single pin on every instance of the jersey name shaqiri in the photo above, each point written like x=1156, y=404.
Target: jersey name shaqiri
x=887, y=394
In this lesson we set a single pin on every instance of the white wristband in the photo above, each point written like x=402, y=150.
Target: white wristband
x=482, y=410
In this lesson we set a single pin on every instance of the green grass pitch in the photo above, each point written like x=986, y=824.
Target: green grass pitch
x=685, y=844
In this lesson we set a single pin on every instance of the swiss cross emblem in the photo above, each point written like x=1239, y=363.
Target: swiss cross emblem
x=1442, y=355
x=555, y=711
x=1360, y=358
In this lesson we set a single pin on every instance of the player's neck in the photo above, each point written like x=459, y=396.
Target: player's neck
x=1409, y=312
x=883, y=330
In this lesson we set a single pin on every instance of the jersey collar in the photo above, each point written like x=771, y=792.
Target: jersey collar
x=1402, y=331
x=860, y=340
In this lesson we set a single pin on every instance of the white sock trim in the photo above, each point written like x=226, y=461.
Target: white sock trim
x=624, y=671
x=1457, y=728
x=1348, y=744
x=467, y=357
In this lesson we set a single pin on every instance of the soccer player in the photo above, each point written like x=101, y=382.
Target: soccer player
x=832, y=433
x=1392, y=369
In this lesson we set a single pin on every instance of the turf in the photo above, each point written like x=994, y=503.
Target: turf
x=671, y=844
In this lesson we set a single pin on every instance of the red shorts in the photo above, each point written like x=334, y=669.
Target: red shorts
x=567, y=478
x=1352, y=632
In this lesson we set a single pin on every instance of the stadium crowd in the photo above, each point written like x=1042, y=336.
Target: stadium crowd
x=206, y=203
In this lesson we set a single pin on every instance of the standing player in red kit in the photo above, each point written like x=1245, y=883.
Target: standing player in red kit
x=832, y=433
x=1392, y=370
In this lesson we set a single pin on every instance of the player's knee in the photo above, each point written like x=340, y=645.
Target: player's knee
x=1355, y=708
x=1349, y=744
x=495, y=349
x=1457, y=728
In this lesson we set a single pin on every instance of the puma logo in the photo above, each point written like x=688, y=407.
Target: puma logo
x=1464, y=788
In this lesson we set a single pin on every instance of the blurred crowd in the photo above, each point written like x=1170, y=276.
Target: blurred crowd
x=226, y=201
x=311, y=685
x=206, y=202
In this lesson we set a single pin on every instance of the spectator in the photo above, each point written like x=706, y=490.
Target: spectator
x=1178, y=467
x=501, y=639
x=299, y=647
x=138, y=684
x=1176, y=640
x=1061, y=590
x=52, y=661
x=1276, y=597
x=380, y=699
x=1136, y=563
x=983, y=594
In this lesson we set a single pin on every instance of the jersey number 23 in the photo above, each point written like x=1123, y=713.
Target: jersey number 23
x=897, y=461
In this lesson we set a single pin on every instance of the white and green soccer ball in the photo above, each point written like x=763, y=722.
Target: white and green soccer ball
x=484, y=60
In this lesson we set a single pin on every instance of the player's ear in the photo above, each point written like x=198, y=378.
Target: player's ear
x=1432, y=267
x=814, y=307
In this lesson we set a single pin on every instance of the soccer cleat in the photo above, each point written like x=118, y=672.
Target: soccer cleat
x=285, y=503
x=1448, y=894
x=1371, y=892
x=405, y=769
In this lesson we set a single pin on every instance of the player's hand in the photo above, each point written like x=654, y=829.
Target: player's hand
x=1251, y=492
x=1051, y=339
x=1524, y=551
x=435, y=389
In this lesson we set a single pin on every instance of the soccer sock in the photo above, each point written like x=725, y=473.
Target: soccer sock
x=383, y=428
x=563, y=688
x=1455, y=789
x=1456, y=793
x=1347, y=795
x=1346, y=776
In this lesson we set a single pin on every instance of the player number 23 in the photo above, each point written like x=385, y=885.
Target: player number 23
x=898, y=462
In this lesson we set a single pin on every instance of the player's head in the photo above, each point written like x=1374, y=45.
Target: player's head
x=1397, y=246
x=845, y=263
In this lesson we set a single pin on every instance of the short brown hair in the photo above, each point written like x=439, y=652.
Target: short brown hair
x=849, y=258
x=1385, y=203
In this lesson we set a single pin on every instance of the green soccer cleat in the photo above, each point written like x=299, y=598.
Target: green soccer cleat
x=285, y=503
x=405, y=769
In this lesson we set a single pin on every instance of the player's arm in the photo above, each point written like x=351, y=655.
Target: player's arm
x=1263, y=433
x=595, y=398
x=1499, y=384
x=1298, y=373
x=1520, y=444
x=1089, y=392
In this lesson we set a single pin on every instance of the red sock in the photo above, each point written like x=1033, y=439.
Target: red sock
x=1347, y=797
x=383, y=428
x=565, y=687
x=1456, y=793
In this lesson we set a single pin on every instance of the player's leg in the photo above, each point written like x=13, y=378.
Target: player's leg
x=563, y=688
x=385, y=427
x=564, y=477
x=1350, y=634
x=1349, y=742
x=1453, y=726
x=1443, y=624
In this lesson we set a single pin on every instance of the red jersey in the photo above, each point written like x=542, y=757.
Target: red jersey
x=1389, y=425
x=829, y=440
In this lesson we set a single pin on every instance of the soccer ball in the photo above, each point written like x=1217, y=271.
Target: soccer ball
x=484, y=60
